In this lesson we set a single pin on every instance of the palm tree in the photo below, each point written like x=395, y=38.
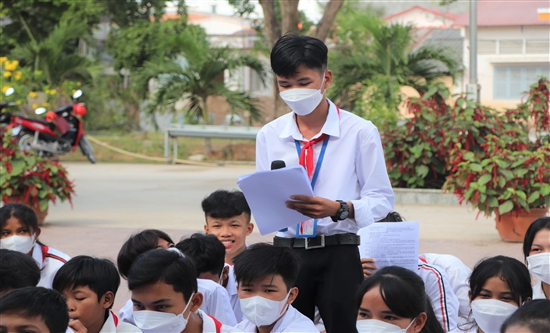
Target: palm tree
x=194, y=76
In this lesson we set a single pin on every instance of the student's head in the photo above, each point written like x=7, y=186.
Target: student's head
x=18, y=270
x=164, y=281
x=536, y=249
x=139, y=243
x=33, y=309
x=533, y=317
x=207, y=252
x=19, y=228
x=89, y=285
x=228, y=218
x=392, y=217
x=395, y=295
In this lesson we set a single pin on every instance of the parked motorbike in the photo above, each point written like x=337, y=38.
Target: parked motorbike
x=62, y=131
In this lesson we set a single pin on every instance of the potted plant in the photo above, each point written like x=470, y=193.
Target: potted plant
x=31, y=180
x=510, y=176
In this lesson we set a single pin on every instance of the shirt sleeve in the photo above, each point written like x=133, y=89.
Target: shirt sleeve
x=376, y=192
x=262, y=162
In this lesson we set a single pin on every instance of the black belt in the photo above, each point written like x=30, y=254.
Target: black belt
x=317, y=242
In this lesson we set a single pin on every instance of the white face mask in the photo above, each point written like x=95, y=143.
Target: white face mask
x=539, y=266
x=378, y=326
x=490, y=314
x=161, y=322
x=303, y=100
x=262, y=311
x=21, y=244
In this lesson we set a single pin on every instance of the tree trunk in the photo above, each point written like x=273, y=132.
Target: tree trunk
x=272, y=27
x=206, y=121
x=291, y=16
x=133, y=113
x=324, y=25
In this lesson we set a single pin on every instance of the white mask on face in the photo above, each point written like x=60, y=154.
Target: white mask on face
x=262, y=311
x=490, y=314
x=379, y=326
x=303, y=100
x=539, y=266
x=21, y=244
x=161, y=322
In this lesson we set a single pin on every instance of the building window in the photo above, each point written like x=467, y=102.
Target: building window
x=511, y=47
x=510, y=82
x=537, y=46
x=486, y=46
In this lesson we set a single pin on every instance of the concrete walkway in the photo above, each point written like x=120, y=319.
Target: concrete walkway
x=115, y=200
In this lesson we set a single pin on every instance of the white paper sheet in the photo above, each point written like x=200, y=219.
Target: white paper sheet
x=267, y=191
x=391, y=244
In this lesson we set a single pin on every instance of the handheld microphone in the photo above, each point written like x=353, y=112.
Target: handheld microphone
x=277, y=164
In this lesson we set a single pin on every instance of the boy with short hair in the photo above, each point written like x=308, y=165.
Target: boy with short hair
x=208, y=254
x=33, y=309
x=266, y=278
x=89, y=286
x=164, y=288
x=18, y=270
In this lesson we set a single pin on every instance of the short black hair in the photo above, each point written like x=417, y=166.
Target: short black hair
x=534, y=228
x=32, y=302
x=137, y=244
x=18, y=270
x=24, y=214
x=291, y=51
x=392, y=216
x=100, y=275
x=164, y=266
x=225, y=204
x=534, y=315
x=207, y=251
x=262, y=259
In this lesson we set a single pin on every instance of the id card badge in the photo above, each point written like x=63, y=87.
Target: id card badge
x=306, y=229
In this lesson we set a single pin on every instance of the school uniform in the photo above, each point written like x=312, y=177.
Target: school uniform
x=438, y=288
x=291, y=322
x=49, y=261
x=231, y=288
x=113, y=324
x=216, y=301
x=458, y=275
x=348, y=164
x=538, y=293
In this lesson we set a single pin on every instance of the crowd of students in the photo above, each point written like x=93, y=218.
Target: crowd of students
x=214, y=282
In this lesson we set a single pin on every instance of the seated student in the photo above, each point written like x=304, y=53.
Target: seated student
x=131, y=249
x=89, y=285
x=498, y=286
x=228, y=217
x=165, y=296
x=266, y=276
x=33, y=309
x=17, y=270
x=20, y=233
x=208, y=254
x=394, y=300
x=536, y=249
x=533, y=317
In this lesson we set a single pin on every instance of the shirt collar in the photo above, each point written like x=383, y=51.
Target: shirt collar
x=37, y=255
x=331, y=126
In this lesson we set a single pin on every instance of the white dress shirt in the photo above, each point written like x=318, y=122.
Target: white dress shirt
x=291, y=322
x=538, y=293
x=353, y=168
x=49, y=261
x=114, y=325
x=209, y=325
x=231, y=288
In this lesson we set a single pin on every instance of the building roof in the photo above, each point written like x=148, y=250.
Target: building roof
x=448, y=16
x=505, y=13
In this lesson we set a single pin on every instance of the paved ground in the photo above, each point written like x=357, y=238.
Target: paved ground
x=115, y=200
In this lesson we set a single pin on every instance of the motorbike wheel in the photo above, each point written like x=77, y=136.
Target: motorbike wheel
x=87, y=149
x=24, y=141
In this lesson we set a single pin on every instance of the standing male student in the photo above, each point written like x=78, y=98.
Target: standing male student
x=343, y=156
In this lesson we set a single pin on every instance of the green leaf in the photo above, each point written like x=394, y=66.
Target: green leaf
x=506, y=207
x=534, y=196
x=17, y=167
x=493, y=202
x=484, y=179
x=44, y=204
x=475, y=167
x=422, y=171
x=501, y=182
x=432, y=90
x=521, y=194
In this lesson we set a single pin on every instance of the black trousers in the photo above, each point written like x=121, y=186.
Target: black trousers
x=329, y=278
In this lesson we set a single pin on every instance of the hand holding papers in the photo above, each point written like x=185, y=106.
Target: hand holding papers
x=391, y=244
x=267, y=191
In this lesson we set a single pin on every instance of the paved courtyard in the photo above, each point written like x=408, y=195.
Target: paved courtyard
x=115, y=200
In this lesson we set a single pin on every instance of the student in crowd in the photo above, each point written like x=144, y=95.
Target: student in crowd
x=131, y=249
x=533, y=317
x=208, y=254
x=266, y=277
x=17, y=270
x=89, y=285
x=228, y=217
x=20, y=233
x=165, y=295
x=394, y=300
x=33, y=309
x=498, y=287
x=536, y=249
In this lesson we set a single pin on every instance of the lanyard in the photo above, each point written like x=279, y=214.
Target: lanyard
x=319, y=161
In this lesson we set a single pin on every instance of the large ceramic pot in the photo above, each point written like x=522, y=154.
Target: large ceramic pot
x=40, y=215
x=513, y=225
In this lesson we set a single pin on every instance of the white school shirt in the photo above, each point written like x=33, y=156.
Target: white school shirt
x=216, y=301
x=209, y=325
x=114, y=325
x=291, y=322
x=353, y=168
x=538, y=293
x=438, y=288
x=457, y=273
x=49, y=261
x=231, y=288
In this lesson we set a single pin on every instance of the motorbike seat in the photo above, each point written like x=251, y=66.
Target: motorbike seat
x=43, y=122
x=64, y=108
